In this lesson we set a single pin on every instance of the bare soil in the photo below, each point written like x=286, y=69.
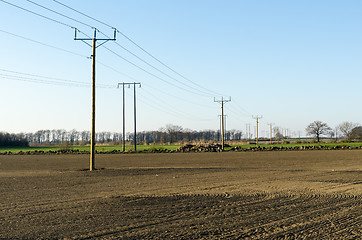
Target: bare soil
x=234, y=195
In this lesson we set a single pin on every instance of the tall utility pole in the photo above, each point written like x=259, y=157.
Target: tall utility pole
x=271, y=132
x=134, y=114
x=225, y=116
x=222, y=101
x=257, y=117
x=94, y=47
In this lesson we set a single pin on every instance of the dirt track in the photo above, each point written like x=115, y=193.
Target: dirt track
x=293, y=195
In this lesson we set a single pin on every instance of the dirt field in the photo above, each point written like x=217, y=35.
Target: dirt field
x=246, y=195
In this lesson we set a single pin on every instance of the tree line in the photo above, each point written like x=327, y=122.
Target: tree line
x=13, y=140
x=168, y=134
x=346, y=130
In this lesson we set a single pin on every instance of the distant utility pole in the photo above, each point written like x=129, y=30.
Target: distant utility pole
x=246, y=130
x=271, y=131
x=249, y=132
x=257, y=117
x=94, y=46
x=134, y=114
x=222, y=101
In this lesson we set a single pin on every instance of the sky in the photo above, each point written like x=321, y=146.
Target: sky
x=290, y=62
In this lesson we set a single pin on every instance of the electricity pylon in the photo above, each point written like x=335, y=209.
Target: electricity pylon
x=94, y=47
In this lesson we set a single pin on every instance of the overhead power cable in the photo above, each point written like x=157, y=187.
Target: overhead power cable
x=35, y=80
x=65, y=50
x=192, y=103
x=58, y=13
x=85, y=15
x=241, y=108
x=163, y=106
x=27, y=77
x=37, y=14
x=44, y=44
x=141, y=48
x=153, y=75
x=157, y=69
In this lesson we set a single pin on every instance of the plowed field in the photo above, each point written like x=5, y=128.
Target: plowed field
x=255, y=195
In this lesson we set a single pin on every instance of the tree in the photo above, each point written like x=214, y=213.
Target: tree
x=174, y=132
x=317, y=128
x=346, y=129
x=278, y=135
x=356, y=133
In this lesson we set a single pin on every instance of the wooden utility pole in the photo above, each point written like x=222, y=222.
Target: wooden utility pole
x=257, y=127
x=222, y=119
x=124, y=122
x=271, y=132
x=225, y=116
x=92, y=164
x=94, y=46
x=134, y=114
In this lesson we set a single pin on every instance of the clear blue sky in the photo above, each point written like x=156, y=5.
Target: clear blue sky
x=292, y=62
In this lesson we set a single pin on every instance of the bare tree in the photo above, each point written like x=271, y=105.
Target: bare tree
x=278, y=135
x=317, y=128
x=174, y=131
x=346, y=129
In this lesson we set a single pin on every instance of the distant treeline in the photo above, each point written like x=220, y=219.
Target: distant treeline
x=168, y=134
x=13, y=140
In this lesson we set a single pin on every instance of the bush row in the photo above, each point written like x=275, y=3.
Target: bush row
x=190, y=148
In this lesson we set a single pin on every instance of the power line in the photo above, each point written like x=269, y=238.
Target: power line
x=157, y=69
x=53, y=11
x=141, y=48
x=240, y=110
x=39, y=5
x=37, y=14
x=82, y=14
x=64, y=50
x=235, y=114
x=165, y=103
x=153, y=75
x=33, y=80
x=65, y=24
x=177, y=97
x=159, y=61
x=45, y=80
x=44, y=44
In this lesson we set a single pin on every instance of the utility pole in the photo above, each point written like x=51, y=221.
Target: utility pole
x=257, y=117
x=222, y=101
x=249, y=132
x=134, y=114
x=246, y=130
x=271, y=132
x=94, y=47
x=225, y=116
